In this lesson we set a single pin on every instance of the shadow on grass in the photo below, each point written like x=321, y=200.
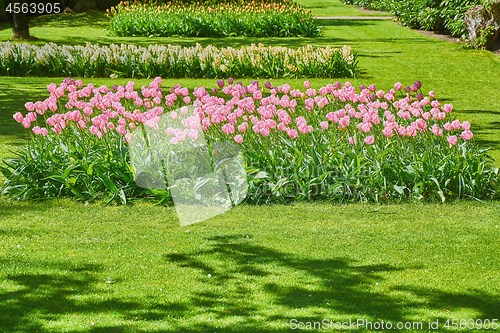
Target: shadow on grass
x=12, y=100
x=92, y=18
x=327, y=286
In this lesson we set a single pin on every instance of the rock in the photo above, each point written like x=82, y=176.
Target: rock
x=483, y=23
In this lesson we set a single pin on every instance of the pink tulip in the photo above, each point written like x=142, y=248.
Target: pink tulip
x=139, y=101
x=309, y=104
x=352, y=140
x=26, y=123
x=173, y=115
x=44, y=131
x=307, y=84
x=466, y=135
x=432, y=94
x=37, y=130
x=332, y=116
x=238, y=138
x=193, y=134
x=18, y=117
x=257, y=95
x=455, y=124
x=369, y=140
x=243, y=127
x=387, y=132
x=52, y=88
x=29, y=106
x=264, y=131
x=282, y=127
x=293, y=133
x=93, y=129
x=452, y=140
x=447, y=108
x=270, y=123
x=465, y=125
x=311, y=92
x=398, y=86
x=344, y=122
x=324, y=125
x=228, y=129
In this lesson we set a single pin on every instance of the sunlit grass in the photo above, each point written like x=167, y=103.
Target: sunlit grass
x=250, y=270
x=399, y=262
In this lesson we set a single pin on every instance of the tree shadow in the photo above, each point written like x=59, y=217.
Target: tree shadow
x=12, y=100
x=347, y=23
x=94, y=18
x=330, y=286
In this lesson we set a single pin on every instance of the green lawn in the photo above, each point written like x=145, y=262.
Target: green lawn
x=334, y=8
x=250, y=270
x=267, y=264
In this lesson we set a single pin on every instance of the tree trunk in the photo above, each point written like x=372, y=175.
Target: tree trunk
x=19, y=22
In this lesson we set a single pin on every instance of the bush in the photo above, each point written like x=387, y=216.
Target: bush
x=234, y=19
x=337, y=145
x=437, y=15
x=175, y=61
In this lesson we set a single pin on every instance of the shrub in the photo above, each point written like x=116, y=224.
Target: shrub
x=328, y=144
x=436, y=15
x=192, y=20
x=175, y=61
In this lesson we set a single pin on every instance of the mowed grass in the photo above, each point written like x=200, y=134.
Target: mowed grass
x=267, y=264
x=68, y=267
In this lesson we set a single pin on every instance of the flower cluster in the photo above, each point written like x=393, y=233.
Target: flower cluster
x=261, y=19
x=366, y=115
x=366, y=143
x=175, y=61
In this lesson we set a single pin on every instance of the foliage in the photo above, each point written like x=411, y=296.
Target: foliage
x=229, y=20
x=331, y=146
x=173, y=61
x=435, y=15
x=484, y=38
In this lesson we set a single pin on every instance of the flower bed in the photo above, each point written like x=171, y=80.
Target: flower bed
x=334, y=143
x=222, y=20
x=437, y=15
x=173, y=61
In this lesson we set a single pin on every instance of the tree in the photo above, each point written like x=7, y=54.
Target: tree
x=19, y=21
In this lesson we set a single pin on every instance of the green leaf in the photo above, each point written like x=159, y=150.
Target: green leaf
x=261, y=175
x=399, y=189
x=108, y=183
x=6, y=172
